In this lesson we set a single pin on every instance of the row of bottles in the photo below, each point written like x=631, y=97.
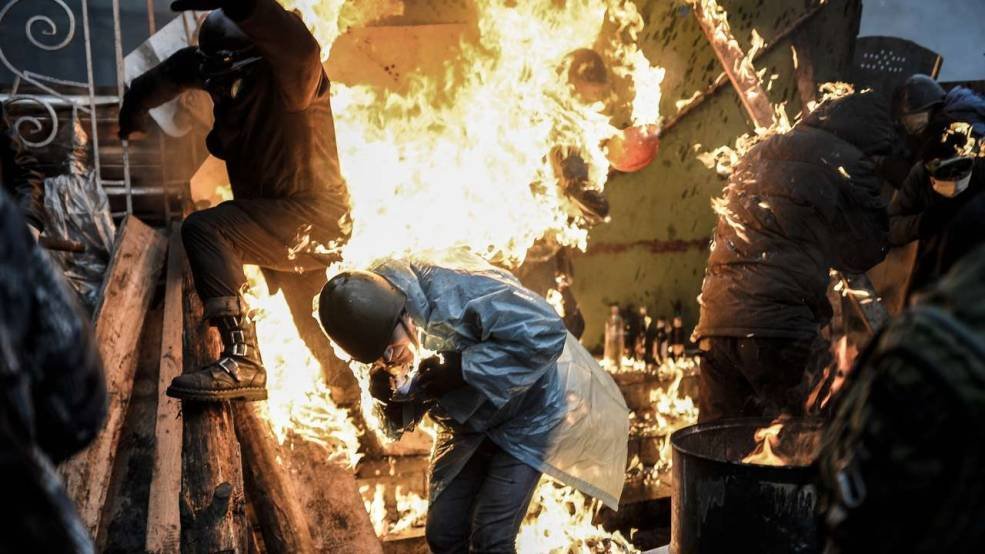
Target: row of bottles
x=640, y=337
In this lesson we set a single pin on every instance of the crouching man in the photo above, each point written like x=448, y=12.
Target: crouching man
x=514, y=394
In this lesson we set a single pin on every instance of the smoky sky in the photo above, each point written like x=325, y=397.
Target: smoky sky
x=952, y=28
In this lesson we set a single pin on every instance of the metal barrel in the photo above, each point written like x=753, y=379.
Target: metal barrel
x=722, y=505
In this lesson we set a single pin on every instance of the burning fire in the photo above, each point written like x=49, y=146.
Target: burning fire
x=560, y=522
x=463, y=158
x=299, y=400
x=767, y=438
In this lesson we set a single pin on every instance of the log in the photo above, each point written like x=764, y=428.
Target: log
x=213, y=504
x=163, y=515
x=737, y=65
x=331, y=500
x=271, y=490
x=130, y=282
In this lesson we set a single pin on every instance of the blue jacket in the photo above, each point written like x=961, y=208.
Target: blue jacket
x=532, y=388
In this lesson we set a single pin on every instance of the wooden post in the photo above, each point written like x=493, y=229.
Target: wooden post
x=331, y=500
x=163, y=516
x=269, y=486
x=738, y=66
x=213, y=506
x=131, y=278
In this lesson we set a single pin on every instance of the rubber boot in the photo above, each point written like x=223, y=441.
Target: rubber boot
x=238, y=374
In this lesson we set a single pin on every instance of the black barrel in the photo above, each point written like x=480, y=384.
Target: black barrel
x=722, y=505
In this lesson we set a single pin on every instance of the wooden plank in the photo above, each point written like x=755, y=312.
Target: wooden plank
x=271, y=491
x=163, y=516
x=130, y=281
x=737, y=65
x=213, y=504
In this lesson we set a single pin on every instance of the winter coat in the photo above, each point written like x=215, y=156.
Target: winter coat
x=797, y=205
x=900, y=466
x=914, y=205
x=532, y=389
x=20, y=178
x=52, y=393
x=277, y=135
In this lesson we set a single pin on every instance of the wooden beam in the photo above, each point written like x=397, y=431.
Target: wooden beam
x=131, y=278
x=737, y=65
x=271, y=491
x=331, y=499
x=722, y=78
x=213, y=505
x=163, y=516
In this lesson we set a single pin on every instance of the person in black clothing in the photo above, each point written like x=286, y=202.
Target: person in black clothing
x=951, y=175
x=20, y=176
x=797, y=205
x=900, y=464
x=274, y=128
x=52, y=392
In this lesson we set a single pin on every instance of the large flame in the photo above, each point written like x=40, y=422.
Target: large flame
x=464, y=158
x=767, y=438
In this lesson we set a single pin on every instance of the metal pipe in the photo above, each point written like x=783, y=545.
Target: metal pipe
x=92, y=91
x=120, y=88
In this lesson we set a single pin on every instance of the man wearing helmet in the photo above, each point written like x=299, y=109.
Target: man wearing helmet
x=950, y=174
x=274, y=128
x=514, y=395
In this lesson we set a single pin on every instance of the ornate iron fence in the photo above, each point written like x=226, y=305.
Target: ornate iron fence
x=51, y=36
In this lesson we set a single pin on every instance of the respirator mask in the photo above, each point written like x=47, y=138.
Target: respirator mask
x=950, y=177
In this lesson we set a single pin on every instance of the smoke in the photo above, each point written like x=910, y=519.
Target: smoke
x=952, y=28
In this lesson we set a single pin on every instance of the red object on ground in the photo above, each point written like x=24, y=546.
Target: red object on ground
x=634, y=148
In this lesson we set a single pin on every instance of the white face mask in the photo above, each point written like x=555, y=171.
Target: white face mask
x=915, y=123
x=950, y=189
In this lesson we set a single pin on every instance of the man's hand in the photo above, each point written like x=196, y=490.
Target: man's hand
x=379, y=384
x=440, y=374
x=197, y=5
x=133, y=121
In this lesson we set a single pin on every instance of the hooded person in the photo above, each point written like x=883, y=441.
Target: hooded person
x=514, y=394
x=52, y=394
x=901, y=461
x=950, y=175
x=797, y=205
x=274, y=129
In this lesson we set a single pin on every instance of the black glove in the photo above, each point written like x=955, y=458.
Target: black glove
x=438, y=377
x=379, y=384
x=132, y=119
x=198, y=5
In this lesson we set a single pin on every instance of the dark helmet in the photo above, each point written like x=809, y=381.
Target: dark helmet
x=919, y=93
x=220, y=36
x=359, y=311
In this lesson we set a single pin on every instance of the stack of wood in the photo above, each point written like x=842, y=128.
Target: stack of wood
x=221, y=482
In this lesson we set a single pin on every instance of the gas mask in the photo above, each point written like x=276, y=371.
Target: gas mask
x=915, y=123
x=224, y=71
x=950, y=177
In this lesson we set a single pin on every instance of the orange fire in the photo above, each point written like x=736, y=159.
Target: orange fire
x=463, y=159
x=767, y=438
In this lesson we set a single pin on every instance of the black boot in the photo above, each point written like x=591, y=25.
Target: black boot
x=238, y=374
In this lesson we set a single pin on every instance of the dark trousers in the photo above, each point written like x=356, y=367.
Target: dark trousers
x=750, y=377
x=482, y=508
x=220, y=240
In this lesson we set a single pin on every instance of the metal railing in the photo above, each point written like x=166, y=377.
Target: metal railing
x=53, y=36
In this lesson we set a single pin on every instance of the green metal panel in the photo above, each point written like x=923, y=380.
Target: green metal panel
x=654, y=250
